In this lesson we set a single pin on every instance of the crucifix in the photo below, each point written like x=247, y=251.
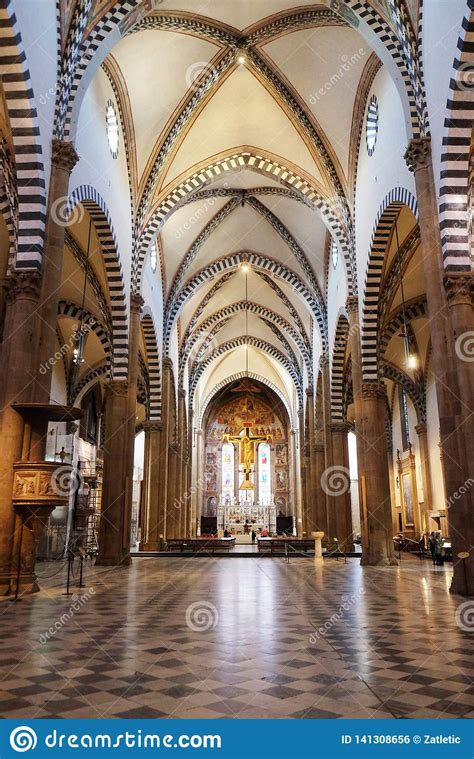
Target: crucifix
x=247, y=443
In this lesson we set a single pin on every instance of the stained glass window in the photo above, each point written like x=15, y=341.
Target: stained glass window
x=264, y=475
x=227, y=472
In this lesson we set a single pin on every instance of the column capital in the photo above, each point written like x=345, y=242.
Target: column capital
x=418, y=154
x=339, y=427
x=324, y=360
x=420, y=428
x=182, y=393
x=117, y=387
x=136, y=303
x=459, y=287
x=373, y=390
x=25, y=284
x=152, y=426
x=352, y=304
x=167, y=363
x=64, y=154
x=310, y=391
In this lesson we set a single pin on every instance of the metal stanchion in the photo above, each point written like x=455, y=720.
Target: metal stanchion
x=81, y=584
x=70, y=559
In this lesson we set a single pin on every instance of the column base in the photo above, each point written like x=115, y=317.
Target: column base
x=113, y=561
x=27, y=584
x=461, y=586
x=152, y=545
x=378, y=561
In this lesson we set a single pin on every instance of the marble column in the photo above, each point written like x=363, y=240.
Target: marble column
x=63, y=160
x=352, y=308
x=421, y=431
x=340, y=484
x=379, y=551
x=114, y=530
x=312, y=469
x=199, y=471
x=20, y=335
x=182, y=489
x=301, y=516
x=154, y=516
x=453, y=390
x=326, y=395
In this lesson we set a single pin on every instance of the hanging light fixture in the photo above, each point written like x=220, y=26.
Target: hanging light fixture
x=245, y=269
x=411, y=359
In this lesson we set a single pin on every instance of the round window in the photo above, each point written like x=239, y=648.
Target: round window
x=372, y=125
x=112, y=127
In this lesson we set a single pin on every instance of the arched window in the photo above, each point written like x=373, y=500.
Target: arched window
x=227, y=473
x=264, y=475
x=153, y=255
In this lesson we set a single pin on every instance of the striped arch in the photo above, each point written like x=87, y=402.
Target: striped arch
x=382, y=230
x=456, y=167
x=233, y=261
x=412, y=311
x=154, y=373
x=247, y=159
x=242, y=375
x=265, y=313
x=75, y=312
x=95, y=205
x=8, y=197
x=26, y=138
x=256, y=343
x=84, y=61
x=337, y=371
x=416, y=393
x=88, y=379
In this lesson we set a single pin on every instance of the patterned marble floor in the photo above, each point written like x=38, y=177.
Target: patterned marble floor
x=240, y=638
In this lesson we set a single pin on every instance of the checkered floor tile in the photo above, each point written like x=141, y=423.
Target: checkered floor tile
x=240, y=638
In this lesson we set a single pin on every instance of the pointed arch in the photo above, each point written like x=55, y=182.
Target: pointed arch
x=382, y=230
x=153, y=360
x=233, y=261
x=20, y=100
x=455, y=195
x=337, y=369
x=249, y=158
x=66, y=308
x=242, y=375
x=262, y=345
x=97, y=208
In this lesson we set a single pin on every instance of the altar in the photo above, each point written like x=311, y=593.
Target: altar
x=236, y=517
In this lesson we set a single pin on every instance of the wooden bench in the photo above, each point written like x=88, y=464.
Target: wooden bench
x=200, y=544
x=277, y=545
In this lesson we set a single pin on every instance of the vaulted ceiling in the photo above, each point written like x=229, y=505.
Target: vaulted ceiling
x=201, y=83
